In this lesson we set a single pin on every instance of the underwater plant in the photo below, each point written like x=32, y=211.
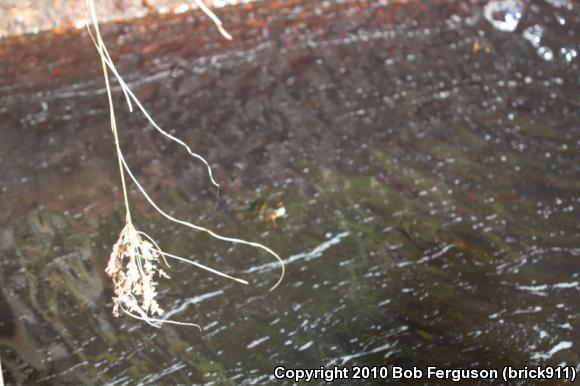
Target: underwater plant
x=136, y=259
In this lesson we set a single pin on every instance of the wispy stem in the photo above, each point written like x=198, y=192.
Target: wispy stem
x=131, y=253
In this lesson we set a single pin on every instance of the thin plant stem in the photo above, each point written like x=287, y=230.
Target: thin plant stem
x=132, y=253
x=111, y=108
x=189, y=261
x=209, y=269
x=156, y=322
x=218, y=23
x=203, y=229
x=130, y=96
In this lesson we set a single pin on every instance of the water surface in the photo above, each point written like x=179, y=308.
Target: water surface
x=427, y=160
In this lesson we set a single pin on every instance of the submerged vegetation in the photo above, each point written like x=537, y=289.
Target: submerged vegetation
x=134, y=264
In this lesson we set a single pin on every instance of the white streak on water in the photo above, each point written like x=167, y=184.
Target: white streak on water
x=257, y=342
x=306, y=346
x=564, y=345
x=84, y=363
x=117, y=381
x=540, y=290
x=384, y=302
x=536, y=289
x=574, y=284
x=496, y=315
x=427, y=258
x=535, y=255
x=193, y=300
x=150, y=379
x=306, y=256
x=528, y=310
x=566, y=326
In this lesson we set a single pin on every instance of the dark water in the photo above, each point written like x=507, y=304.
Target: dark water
x=427, y=160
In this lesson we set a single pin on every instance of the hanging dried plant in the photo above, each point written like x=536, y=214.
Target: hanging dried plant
x=135, y=262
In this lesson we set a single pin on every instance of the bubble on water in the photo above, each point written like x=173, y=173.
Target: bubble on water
x=546, y=53
x=504, y=15
x=569, y=54
x=561, y=20
x=534, y=34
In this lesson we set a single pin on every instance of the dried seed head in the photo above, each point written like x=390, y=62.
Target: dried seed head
x=133, y=266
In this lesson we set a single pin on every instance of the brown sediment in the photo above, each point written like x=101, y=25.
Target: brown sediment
x=29, y=16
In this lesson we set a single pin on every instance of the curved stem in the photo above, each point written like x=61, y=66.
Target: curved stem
x=209, y=269
x=129, y=95
x=202, y=229
x=214, y=18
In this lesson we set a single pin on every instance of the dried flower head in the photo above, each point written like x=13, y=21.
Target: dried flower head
x=134, y=268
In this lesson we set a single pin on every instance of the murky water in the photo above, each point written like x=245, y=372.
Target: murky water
x=428, y=163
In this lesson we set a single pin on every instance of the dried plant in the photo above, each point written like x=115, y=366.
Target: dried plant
x=135, y=261
x=133, y=266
